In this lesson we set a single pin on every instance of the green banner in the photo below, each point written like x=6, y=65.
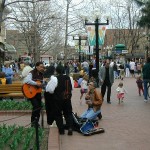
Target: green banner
x=92, y=37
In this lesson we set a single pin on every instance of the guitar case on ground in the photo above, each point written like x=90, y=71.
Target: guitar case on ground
x=85, y=126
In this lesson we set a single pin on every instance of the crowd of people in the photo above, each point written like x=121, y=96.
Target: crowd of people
x=57, y=82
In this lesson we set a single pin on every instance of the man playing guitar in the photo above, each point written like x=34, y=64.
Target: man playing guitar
x=33, y=79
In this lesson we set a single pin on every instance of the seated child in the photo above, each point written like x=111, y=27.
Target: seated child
x=2, y=78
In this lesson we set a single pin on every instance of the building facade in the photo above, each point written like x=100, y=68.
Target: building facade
x=134, y=40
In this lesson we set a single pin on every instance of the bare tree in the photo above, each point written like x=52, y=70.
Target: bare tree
x=124, y=22
x=38, y=23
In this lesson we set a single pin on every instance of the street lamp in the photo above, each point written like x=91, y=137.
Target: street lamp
x=79, y=38
x=96, y=24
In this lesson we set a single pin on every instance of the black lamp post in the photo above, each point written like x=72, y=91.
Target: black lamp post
x=96, y=24
x=80, y=38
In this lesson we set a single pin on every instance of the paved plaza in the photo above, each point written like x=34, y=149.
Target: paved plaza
x=127, y=125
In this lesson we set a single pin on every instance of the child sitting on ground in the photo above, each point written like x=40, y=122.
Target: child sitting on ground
x=120, y=92
x=84, y=87
x=139, y=82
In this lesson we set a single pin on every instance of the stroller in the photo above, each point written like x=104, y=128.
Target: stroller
x=85, y=126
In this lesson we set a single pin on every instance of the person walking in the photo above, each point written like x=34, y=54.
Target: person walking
x=84, y=87
x=35, y=78
x=146, y=78
x=106, y=77
x=120, y=92
x=127, y=69
x=139, y=68
x=139, y=82
x=115, y=71
x=132, y=68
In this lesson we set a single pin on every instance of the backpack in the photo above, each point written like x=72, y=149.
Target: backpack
x=68, y=88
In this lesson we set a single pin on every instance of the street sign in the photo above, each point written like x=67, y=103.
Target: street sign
x=124, y=51
x=118, y=51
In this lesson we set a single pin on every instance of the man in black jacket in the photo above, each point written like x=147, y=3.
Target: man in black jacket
x=146, y=78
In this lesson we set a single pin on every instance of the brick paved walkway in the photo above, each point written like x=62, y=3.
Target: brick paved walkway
x=127, y=126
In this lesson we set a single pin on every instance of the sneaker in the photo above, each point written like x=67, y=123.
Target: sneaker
x=145, y=100
x=70, y=132
x=109, y=102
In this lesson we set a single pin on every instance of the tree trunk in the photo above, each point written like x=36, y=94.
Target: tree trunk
x=66, y=34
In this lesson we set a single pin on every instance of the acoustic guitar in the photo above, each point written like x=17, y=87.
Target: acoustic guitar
x=30, y=91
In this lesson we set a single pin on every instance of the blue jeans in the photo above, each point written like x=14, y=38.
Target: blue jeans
x=90, y=114
x=145, y=89
x=8, y=81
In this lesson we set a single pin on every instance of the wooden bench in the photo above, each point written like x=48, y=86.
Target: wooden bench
x=11, y=90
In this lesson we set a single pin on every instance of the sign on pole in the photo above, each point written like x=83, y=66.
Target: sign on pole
x=92, y=36
x=101, y=32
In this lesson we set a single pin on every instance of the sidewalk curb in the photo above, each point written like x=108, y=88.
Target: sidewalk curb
x=53, y=139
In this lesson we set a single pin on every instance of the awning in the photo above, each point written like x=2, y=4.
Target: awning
x=9, y=48
x=119, y=45
x=4, y=47
x=1, y=50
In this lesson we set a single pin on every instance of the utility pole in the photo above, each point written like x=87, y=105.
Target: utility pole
x=66, y=32
x=36, y=53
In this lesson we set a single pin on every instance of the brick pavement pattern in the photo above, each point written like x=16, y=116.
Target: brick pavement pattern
x=127, y=125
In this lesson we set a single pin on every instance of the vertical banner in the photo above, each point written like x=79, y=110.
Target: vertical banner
x=82, y=46
x=76, y=46
x=89, y=50
x=101, y=33
x=91, y=35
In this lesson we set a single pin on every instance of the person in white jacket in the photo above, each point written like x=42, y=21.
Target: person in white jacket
x=56, y=88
